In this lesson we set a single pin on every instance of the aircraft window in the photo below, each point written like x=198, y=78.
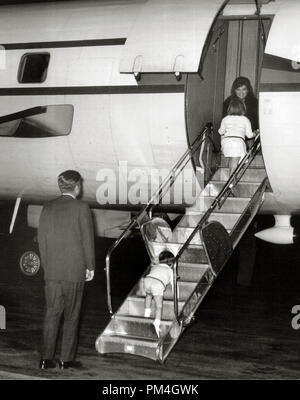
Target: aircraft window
x=33, y=68
x=38, y=122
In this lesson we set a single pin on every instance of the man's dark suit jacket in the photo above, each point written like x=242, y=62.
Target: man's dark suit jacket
x=66, y=239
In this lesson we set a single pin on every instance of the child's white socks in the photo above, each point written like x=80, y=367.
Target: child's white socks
x=147, y=312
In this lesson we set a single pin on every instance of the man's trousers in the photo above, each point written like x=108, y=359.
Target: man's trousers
x=62, y=298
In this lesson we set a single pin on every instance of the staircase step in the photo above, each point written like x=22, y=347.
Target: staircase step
x=231, y=205
x=126, y=325
x=194, y=253
x=192, y=218
x=250, y=175
x=181, y=234
x=134, y=306
x=258, y=162
x=242, y=189
x=134, y=339
x=185, y=290
x=129, y=344
x=191, y=272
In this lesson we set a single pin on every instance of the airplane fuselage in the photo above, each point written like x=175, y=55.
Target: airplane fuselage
x=120, y=129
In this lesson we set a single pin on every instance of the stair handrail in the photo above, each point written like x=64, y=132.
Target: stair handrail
x=227, y=189
x=154, y=199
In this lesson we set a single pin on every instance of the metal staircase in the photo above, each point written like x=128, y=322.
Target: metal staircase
x=202, y=243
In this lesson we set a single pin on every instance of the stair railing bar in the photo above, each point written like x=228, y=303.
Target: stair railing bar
x=155, y=199
x=250, y=210
x=233, y=180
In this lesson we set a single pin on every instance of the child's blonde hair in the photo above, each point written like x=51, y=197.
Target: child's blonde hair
x=236, y=107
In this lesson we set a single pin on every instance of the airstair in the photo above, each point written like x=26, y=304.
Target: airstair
x=202, y=243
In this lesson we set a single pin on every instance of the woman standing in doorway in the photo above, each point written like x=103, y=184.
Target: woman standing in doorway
x=242, y=90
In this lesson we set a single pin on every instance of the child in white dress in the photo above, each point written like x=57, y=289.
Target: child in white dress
x=234, y=128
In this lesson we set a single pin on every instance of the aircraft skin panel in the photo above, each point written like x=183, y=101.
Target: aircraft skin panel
x=147, y=142
x=30, y=170
x=159, y=141
x=169, y=36
x=32, y=165
x=281, y=146
x=269, y=8
x=279, y=102
x=115, y=119
x=283, y=40
x=73, y=66
x=46, y=22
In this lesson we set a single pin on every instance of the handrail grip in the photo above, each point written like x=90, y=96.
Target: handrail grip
x=158, y=193
x=250, y=154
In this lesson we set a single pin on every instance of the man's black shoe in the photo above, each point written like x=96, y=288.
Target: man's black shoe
x=69, y=364
x=44, y=364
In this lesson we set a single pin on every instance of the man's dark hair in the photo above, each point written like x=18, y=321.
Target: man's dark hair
x=166, y=257
x=68, y=180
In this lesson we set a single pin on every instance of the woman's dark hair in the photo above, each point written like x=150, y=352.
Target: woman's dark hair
x=241, y=81
x=236, y=107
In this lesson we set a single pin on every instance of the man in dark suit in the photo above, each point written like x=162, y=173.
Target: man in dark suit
x=66, y=243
